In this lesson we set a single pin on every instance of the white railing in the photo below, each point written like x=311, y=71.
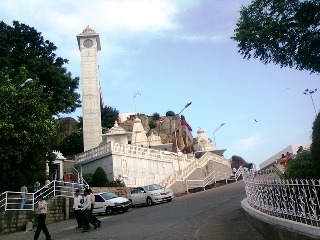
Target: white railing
x=131, y=150
x=196, y=163
x=10, y=200
x=295, y=200
x=201, y=183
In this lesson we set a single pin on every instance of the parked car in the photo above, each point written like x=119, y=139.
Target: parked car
x=150, y=195
x=109, y=203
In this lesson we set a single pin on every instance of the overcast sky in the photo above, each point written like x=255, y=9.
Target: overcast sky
x=179, y=51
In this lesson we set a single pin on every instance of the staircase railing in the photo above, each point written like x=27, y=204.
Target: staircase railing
x=186, y=172
x=15, y=201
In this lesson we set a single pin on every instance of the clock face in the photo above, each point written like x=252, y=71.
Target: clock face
x=88, y=43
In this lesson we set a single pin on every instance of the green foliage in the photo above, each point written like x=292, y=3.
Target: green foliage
x=152, y=124
x=170, y=113
x=300, y=167
x=24, y=47
x=284, y=32
x=108, y=117
x=315, y=147
x=88, y=178
x=99, y=178
x=27, y=133
x=72, y=144
x=156, y=116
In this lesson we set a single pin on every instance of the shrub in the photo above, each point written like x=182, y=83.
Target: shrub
x=88, y=178
x=300, y=166
x=152, y=124
x=99, y=178
x=170, y=113
x=155, y=116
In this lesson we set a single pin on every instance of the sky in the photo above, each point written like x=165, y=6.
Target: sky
x=174, y=52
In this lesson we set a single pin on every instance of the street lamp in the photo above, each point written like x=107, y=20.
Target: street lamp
x=134, y=97
x=214, y=138
x=175, y=131
x=25, y=84
x=310, y=92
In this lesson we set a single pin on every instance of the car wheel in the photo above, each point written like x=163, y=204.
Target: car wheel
x=169, y=200
x=149, y=201
x=125, y=210
x=131, y=204
x=109, y=211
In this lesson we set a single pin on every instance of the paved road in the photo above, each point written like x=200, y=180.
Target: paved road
x=215, y=214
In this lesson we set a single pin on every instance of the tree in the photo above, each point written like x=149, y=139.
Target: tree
x=155, y=116
x=108, y=117
x=27, y=132
x=99, y=178
x=315, y=147
x=72, y=144
x=285, y=32
x=23, y=47
x=170, y=113
x=300, y=167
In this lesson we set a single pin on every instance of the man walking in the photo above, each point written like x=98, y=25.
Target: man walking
x=77, y=206
x=86, y=211
x=93, y=220
x=42, y=213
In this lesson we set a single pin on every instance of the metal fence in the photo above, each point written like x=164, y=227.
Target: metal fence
x=295, y=200
x=10, y=200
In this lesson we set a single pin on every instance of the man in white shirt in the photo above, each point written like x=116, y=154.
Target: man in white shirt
x=42, y=213
x=77, y=206
x=93, y=220
x=86, y=211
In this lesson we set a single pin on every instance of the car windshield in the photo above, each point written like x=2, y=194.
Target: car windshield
x=153, y=187
x=108, y=196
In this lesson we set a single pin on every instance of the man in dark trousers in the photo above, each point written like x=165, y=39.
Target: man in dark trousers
x=93, y=220
x=42, y=213
x=77, y=206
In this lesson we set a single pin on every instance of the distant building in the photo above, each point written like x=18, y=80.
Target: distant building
x=292, y=149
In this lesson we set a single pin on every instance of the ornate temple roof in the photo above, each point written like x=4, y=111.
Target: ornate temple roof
x=116, y=129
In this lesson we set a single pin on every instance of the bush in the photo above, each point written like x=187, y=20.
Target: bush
x=99, y=178
x=152, y=124
x=170, y=113
x=156, y=116
x=300, y=167
x=88, y=178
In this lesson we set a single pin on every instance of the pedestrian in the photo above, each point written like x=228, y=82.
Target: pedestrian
x=23, y=192
x=74, y=177
x=65, y=178
x=36, y=186
x=77, y=206
x=93, y=220
x=85, y=211
x=42, y=213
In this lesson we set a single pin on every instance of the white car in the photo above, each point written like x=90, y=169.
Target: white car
x=109, y=203
x=150, y=195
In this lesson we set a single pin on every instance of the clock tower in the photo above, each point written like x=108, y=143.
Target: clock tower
x=89, y=45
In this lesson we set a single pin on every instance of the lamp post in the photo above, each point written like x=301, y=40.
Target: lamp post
x=25, y=84
x=310, y=92
x=214, y=138
x=175, y=131
x=134, y=97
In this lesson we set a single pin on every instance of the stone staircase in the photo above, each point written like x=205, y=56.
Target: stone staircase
x=209, y=165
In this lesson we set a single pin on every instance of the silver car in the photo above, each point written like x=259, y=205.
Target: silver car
x=150, y=195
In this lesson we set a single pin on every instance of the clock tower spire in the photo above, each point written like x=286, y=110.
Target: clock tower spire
x=89, y=45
